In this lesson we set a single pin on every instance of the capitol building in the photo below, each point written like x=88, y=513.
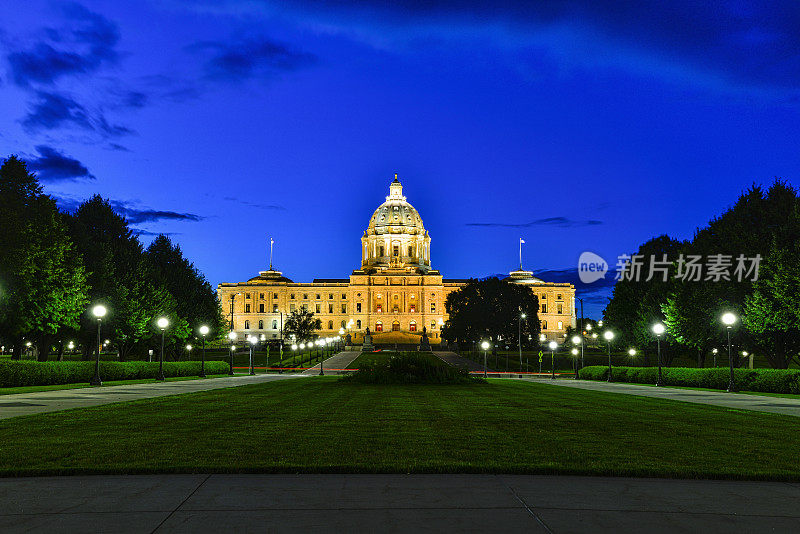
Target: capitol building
x=395, y=293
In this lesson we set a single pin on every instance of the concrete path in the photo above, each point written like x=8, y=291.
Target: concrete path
x=739, y=401
x=459, y=361
x=394, y=503
x=19, y=404
x=340, y=360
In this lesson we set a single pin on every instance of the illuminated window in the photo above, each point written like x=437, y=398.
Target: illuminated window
x=292, y=308
x=275, y=324
x=304, y=307
x=274, y=308
x=413, y=296
x=412, y=326
x=379, y=309
x=379, y=326
x=261, y=325
x=396, y=326
x=560, y=325
x=344, y=308
x=433, y=325
x=544, y=308
x=544, y=325
x=358, y=307
x=433, y=307
x=317, y=308
x=412, y=309
x=558, y=297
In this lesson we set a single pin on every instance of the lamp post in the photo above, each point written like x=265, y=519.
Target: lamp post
x=577, y=340
x=232, y=337
x=608, y=335
x=714, y=351
x=294, y=353
x=253, y=340
x=321, y=343
x=519, y=339
x=728, y=319
x=485, y=347
x=163, y=323
x=98, y=311
x=203, y=333
x=553, y=346
x=659, y=329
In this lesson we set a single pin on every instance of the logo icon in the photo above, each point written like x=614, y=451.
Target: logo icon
x=591, y=267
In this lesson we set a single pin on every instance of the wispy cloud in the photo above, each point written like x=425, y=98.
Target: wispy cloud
x=54, y=166
x=258, y=205
x=244, y=58
x=560, y=222
x=132, y=211
x=53, y=110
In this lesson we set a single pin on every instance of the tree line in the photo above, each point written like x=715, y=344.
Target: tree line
x=56, y=265
x=762, y=223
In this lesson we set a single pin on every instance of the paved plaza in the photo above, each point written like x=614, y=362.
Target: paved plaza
x=394, y=503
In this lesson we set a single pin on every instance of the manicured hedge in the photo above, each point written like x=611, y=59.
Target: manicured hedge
x=409, y=368
x=30, y=373
x=766, y=380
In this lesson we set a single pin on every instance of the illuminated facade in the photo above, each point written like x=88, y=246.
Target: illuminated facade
x=395, y=293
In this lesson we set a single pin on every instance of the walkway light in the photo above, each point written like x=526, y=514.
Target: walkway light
x=574, y=351
x=576, y=340
x=252, y=340
x=553, y=346
x=658, y=330
x=728, y=319
x=232, y=337
x=485, y=347
x=162, y=323
x=203, y=332
x=608, y=335
x=631, y=352
x=99, y=311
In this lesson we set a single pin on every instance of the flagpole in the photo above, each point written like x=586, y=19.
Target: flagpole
x=270, y=252
x=520, y=253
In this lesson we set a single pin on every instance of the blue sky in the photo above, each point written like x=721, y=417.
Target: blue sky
x=570, y=124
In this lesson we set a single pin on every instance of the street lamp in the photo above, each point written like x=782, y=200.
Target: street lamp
x=578, y=340
x=321, y=343
x=253, y=340
x=203, y=333
x=553, y=346
x=608, y=335
x=232, y=337
x=714, y=351
x=163, y=323
x=519, y=338
x=485, y=347
x=728, y=319
x=98, y=311
x=658, y=330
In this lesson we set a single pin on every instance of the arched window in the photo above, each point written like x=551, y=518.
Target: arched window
x=344, y=324
x=379, y=326
x=396, y=326
x=412, y=326
x=274, y=324
x=247, y=325
x=544, y=325
x=261, y=325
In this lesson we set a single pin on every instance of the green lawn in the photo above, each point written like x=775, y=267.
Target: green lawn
x=370, y=358
x=322, y=425
x=34, y=389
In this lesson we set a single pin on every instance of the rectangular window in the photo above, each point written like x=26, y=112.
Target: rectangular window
x=358, y=307
x=558, y=297
x=318, y=308
x=560, y=325
x=433, y=325
x=544, y=308
x=274, y=324
x=260, y=308
x=274, y=295
x=274, y=308
x=330, y=308
x=304, y=307
x=305, y=296
x=317, y=296
x=344, y=308
x=261, y=296
x=544, y=296
x=292, y=308
x=247, y=308
x=247, y=296
x=410, y=251
x=433, y=307
x=381, y=251
x=291, y=296
x=412, y=309
x=330, y=296
x=344, y=296
x=380, y=308
x=358, y=324
x=560, y=308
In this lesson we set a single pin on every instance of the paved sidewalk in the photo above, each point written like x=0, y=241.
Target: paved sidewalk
x=459, y=361
x=394, y=503
x=340, y=360
x=64, y=399
x=739, y=401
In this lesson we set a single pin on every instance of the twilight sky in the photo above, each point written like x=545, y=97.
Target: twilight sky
x=572, y=126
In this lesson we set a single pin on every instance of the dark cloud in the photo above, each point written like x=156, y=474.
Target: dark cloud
x=132, y=211
x=52, y=166
x=76, y=51
x=244, y=58
x=118, y=147
x=148, y=233
x=595, y=294
x=560, y=222
x=255, y=204
x=55, y=110
x=751, y=44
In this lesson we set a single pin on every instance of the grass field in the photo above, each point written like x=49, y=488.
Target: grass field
x=34, y=389
x=322, y=425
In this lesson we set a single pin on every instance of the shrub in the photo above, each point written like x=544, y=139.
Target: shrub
x=410, y=368
x=31, y=373
x=765, y=380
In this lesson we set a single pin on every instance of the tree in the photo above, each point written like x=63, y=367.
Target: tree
x=491, y=308
x=637, y=304
x=194, y=300
x=42, y=280
x=301, y=324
